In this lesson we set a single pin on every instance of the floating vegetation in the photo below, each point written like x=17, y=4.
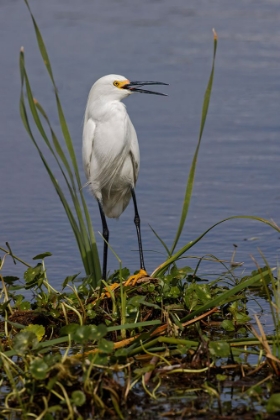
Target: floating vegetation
x=175, y=345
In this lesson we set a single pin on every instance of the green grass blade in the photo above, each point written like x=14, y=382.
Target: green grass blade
x=190, y=182
x=161, y=241
x=24, y=117
x=89, y=238
x=62, y=120
x=164, y=266
x=81, y=210
x=41, y=45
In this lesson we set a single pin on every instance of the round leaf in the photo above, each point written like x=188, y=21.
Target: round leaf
x=24, y=341
x=105, y=346
x=38, y=330
x=38, y=369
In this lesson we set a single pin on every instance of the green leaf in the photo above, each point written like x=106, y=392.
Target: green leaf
x=69, y=279
x=98, y=332
x=34, y=276
x=82, y=334
x=241, y=318
x=273, y=404
x=105, y=346
x=68, y=329
x=24, y=341
x=10, y=279
x=38, y=330
x=42, y=256
x=38, y=369
x=219, y=348
x=228, y=325
x=191, y=297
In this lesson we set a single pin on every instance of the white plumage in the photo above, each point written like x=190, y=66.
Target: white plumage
x=111, y=152
x=110, y=147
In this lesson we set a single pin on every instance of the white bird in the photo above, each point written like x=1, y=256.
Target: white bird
x=111, y=152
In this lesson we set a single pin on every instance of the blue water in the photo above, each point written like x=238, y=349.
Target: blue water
x=238, y=165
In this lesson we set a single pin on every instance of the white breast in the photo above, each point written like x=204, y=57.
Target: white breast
x=110, y=155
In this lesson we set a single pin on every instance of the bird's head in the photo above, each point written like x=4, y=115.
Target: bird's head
x=116, y=87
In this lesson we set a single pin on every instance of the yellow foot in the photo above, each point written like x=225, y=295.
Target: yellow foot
x=133, y=279
x=110, y=288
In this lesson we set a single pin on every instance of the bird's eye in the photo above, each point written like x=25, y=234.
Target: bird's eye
x=116, y=83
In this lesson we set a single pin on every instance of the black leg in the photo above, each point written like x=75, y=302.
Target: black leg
x=105, y=233
x=137, y=224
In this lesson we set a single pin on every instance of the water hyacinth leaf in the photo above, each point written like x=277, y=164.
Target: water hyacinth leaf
x=181, y=272
x=135, y=301
x=42, y=256
x=219, y=348
x=105, y=346
x=191, y=297
x=10, y=279
x=38, y=330
x=242, y=318
x=68, y=329
x=82, y=334
x=38, y=369
x=101, y=331
x=203, y=293
x=273, y=404
x=24, y=341
x=173, y=293
x=78, y=398
x=228, y=325
x=34, y=276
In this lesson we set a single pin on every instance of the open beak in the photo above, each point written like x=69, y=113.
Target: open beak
x=131, y=86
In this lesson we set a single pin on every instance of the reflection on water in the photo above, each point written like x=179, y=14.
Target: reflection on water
x=238, y=167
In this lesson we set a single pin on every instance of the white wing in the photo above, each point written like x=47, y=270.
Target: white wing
x=134, y=152
x=87, y=149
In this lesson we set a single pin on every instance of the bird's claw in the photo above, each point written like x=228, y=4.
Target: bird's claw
x=132, y=280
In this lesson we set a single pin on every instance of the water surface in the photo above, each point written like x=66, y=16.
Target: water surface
x=238, y=166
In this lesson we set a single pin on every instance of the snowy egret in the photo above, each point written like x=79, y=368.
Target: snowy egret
x=111, y=152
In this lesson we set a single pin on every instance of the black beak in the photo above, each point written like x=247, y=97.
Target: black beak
x=132, y=88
